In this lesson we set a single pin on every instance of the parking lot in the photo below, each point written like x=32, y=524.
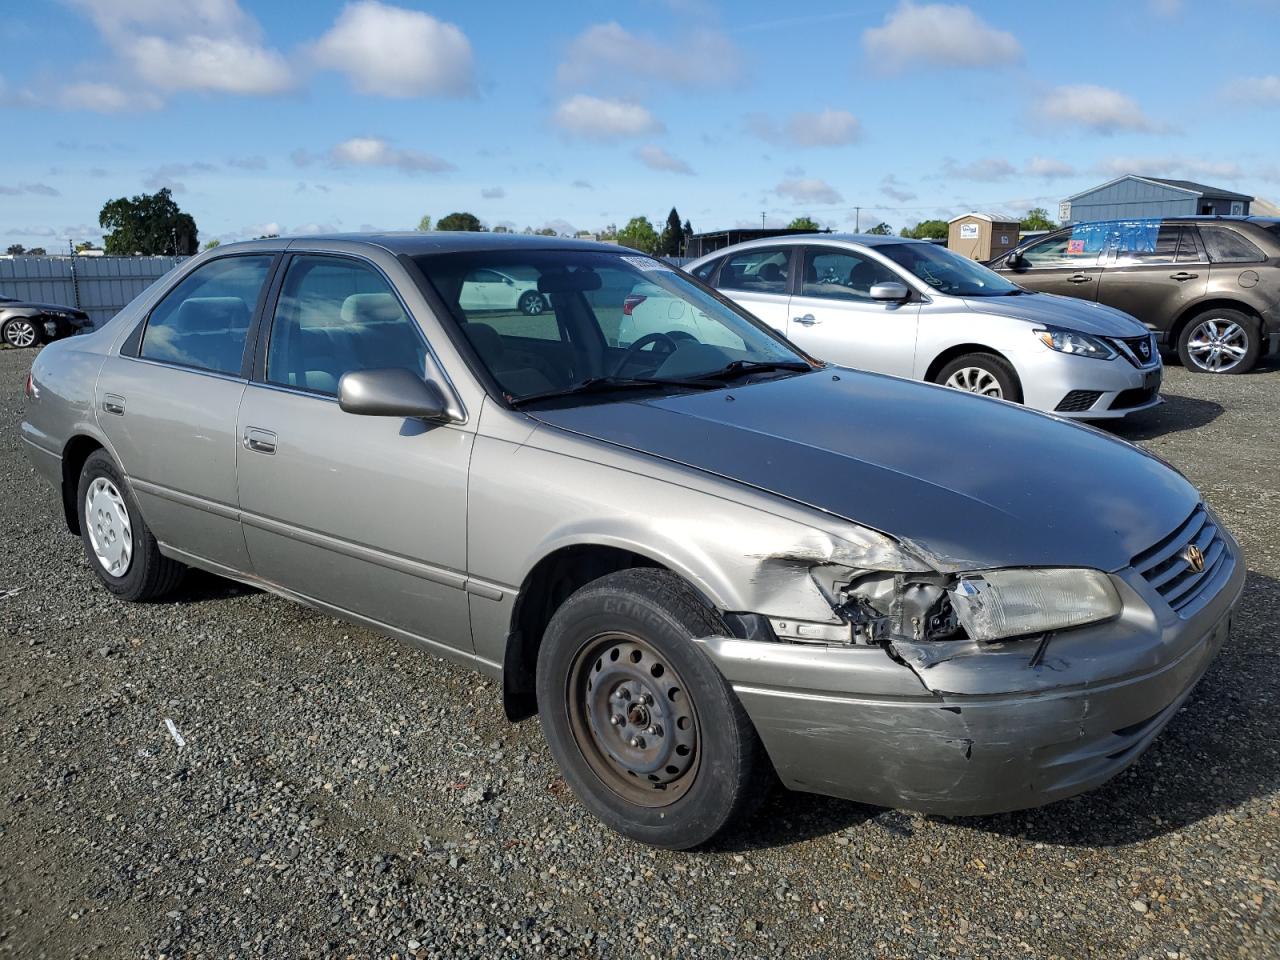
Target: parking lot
x=341, y=794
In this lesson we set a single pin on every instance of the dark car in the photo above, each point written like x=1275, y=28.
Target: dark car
x=1208, y=286
x=27, y=324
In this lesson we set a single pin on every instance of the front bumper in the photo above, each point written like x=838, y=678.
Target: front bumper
x=986, y=733
x=1082, y=388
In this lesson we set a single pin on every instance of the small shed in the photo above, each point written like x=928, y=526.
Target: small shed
x=982, y=236
x=1132, y=197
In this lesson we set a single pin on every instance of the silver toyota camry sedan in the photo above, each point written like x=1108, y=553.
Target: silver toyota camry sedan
x=913, y=309
x=701, y=558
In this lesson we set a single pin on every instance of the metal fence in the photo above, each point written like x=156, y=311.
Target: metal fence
x=100, y=286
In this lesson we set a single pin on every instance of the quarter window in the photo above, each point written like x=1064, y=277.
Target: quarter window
x=756, y=271
x=203, y=321
x=335, y=316
x=1227, y=246
x=842, y=275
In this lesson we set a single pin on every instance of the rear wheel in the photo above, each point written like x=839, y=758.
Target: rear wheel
x=1220, y=341
x=21, y=332
x=117, y=542
x=982, y=373
x=531, y=303
x=647, y=732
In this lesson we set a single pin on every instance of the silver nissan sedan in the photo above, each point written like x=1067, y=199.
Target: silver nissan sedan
x=701, y=558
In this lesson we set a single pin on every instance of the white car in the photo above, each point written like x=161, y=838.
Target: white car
x=648, y=309
x=917, y=310
x=493, y=290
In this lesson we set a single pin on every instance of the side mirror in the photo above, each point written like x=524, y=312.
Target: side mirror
x=1014, y=260
x=890, y=291
x=392, y=392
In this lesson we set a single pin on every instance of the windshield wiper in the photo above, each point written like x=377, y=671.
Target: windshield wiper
x=607, y=385
x=739, y=367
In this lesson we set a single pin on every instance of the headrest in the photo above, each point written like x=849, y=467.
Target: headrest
x=485, y=339
x=211, y=315
x=371, y=308
x=771, y=273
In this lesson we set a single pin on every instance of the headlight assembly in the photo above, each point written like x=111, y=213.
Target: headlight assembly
x=1077, y=344
x=996, y=604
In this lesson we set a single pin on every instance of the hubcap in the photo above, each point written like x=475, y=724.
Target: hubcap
x=976, y=380
x=110, y=532
x=1218, y=345
x=20, y=333
x=633, y=720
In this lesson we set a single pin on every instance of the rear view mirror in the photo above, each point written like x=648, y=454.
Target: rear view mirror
x=569, y=281
x=889, y=291
x=392, y=392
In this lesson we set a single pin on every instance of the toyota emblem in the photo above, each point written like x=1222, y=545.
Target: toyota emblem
x=1194, y=557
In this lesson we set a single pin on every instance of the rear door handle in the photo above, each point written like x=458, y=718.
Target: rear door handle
x=1183, y=275
x=259, y=441
x=113, y=404
x=808, y=319
x=1079, y=278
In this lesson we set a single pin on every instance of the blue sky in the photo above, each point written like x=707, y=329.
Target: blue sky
x=364, y=114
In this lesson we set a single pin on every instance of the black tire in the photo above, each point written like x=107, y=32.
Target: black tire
x=532, y=304
x=725, y=770
x=1238, y=329
x=148, y=574
x=997, y=367
x=28, y=327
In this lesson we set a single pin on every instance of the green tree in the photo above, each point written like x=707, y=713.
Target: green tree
x=16, y=250
x=84, y=245
x=215, y=242
x=1037, y=218
x=502, y=228
x=803, y=223
x=546, y=232
x=467, y=222
x=671, y=243
x=881, y=229
x=36, y=252
x=926, y=230
x=639, y=234
x=425, y=223
x=149, y=223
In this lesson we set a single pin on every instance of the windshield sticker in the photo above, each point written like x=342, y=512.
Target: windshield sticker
x=646, y=263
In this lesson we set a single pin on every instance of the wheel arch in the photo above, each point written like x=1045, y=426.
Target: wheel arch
x=1191, y=311
x=78, y=449
x=959, y=350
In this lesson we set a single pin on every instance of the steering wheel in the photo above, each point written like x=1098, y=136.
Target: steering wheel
x=654, y=338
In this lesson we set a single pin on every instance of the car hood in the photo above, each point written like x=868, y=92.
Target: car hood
x=1081, y=316
x=972, y=482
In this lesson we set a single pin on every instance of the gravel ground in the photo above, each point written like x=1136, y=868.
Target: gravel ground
x=340, y=794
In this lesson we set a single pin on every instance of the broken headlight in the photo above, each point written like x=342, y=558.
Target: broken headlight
x=996, y=604
x=1077, y=344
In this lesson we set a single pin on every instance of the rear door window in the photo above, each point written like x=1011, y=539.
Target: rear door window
x=1147, y=245
x=763, y=270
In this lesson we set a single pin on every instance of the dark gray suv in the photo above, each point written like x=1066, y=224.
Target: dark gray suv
x=1208, y=286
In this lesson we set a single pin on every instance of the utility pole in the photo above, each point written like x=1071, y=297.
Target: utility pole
x=857, y=219
x=762, y=219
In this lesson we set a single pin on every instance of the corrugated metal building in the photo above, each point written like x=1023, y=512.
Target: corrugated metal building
x=1133, y=197
x=100, y=286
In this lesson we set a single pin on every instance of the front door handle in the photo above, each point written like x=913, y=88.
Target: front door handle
x=259, y=441
x=1183, y=275
x=113, y=404
x=808, y=319
x=1079, y=278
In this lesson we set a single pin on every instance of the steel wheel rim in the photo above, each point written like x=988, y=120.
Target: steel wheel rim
x=1218, y=345
x=109, y=527
x=633, y=721
x=20, y=333
x=976, y=380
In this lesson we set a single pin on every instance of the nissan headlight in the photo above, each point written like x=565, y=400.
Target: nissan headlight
x=996, y=604
x=1076, y=344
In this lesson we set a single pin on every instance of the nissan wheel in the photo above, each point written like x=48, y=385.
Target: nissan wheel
x=21, y=332
x=982, y=373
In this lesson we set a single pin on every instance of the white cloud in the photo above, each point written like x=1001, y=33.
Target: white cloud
x=395, y=52
x=105, y=98
x=892, y=188
x=268, y=229
x=608, y=53
x=39, y=189
x=1164, y=8
x=596, y=118
x=810, y=190
x=982, y=169
x=1095, y=108
x=826, y=128
x=1050, y=168
x=255, y=162
x=375, y=152
x=493, y=193
x=657, y=158
x=938, y=35
x=1261, y=90
x=582, y=185
x=1172, y=165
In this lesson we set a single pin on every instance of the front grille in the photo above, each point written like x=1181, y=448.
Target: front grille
x=1078, y=400
x=1168, y=569
x=1137, y=397
x=1140, y=351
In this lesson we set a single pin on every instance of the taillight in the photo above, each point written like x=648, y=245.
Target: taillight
x=30, y=388
x=632, y=301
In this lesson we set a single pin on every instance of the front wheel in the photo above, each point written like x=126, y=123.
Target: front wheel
x=982, y=373
x=1220, y=341
x=532, y=303
x=646, y=730
x=21, y=332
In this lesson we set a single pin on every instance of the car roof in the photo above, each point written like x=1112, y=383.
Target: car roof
x=415, y=243
x=860, y=239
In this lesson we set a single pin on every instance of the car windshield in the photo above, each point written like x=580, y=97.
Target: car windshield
x=550, y=323
x=948, y=272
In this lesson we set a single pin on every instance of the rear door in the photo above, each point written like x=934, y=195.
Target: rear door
x=1153, y=271
x=759, y=278
x=834, y=318
x=1066, y=262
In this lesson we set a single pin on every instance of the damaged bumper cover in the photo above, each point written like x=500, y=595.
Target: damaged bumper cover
x=979, y=729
